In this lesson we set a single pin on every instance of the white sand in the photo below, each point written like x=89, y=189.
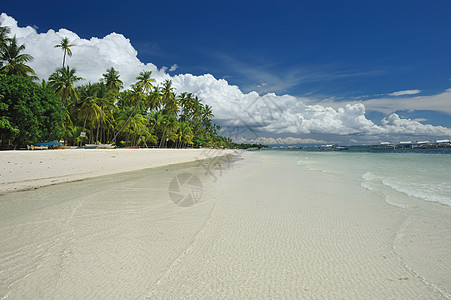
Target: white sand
x=264, y=229
x=29, y=169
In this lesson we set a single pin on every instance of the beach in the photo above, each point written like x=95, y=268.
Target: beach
x=260, y=225
x=31, y=169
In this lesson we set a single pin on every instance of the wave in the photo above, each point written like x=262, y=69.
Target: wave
x=386, y=186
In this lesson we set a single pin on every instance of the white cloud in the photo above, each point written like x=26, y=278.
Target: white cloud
x=269, y=114
x=406, y=92
x=440, y=102
x=393, y=124
x=90, y=57
x=173, y=68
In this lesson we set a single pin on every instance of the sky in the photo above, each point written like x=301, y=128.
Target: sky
x=285, y=72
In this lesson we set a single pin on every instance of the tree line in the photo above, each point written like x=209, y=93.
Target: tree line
x=145, y=115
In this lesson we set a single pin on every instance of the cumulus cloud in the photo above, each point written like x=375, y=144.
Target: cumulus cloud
x=439, y=102
x=237, y=112
x=173, y=68
x=395, y=125
x=90, y=57
x=406, y=92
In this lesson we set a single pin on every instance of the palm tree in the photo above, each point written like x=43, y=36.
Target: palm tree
x=65, y=46
x=108, y=108
x=4, y=31
x=89, y=108
x=170, y=103
x=62, y=82
x=141, y=88
x=131, y=120
x=185, y=134
x=154, y=102
x=156, y=118
x=169, y=100
x=207, y=113
x=145, y=82
x=10, y=54
x=170, y=130
x=112, y=81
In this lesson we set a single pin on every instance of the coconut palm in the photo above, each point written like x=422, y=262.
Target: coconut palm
x=112, y=81
x=13, y=62
x=62, y=82
x=142, y=89
x=156, y=118
x=170, y=103
x=89, y=110
x=207, y=112
x=153, y=102
x=187, y=102
x=4, y=31
x=65, y=46
x=145, y=82
x=185, y=134
x=130, y=120
x=108, y=107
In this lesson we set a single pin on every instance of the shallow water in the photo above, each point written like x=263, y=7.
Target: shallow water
x=401, y=178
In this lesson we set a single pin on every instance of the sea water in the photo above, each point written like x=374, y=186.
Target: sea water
x=403, y=179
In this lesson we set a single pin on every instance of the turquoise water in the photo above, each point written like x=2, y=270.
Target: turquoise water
x=400, y=178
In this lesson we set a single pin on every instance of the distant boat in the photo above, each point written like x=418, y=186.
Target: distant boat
x=404, y=145
x=421, y=145
x=335, y=147
x=442, y=144
x=385, y=146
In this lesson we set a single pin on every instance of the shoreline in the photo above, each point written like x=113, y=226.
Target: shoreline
x=26, y=170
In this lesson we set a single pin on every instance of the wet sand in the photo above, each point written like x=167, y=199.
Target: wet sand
x=30, y=169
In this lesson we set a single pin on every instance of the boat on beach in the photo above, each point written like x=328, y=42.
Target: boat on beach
x=46, y=146
x=87, y=146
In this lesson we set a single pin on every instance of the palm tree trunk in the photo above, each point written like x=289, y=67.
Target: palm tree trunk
x=129, y=117
x=91, y=136
x=98, y=128
x=162, y=137
x=144, y=128
x=84, y=126
x=150, y=132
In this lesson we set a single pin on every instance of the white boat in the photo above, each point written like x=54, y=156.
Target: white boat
x=335, y=147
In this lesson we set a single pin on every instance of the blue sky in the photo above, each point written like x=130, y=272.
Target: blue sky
x=326, y=51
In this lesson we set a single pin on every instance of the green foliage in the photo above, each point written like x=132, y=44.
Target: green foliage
x=29, y=113
x=62, y=83
x=13, y=62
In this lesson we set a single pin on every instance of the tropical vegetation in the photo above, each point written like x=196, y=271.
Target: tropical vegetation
x=144, y=115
